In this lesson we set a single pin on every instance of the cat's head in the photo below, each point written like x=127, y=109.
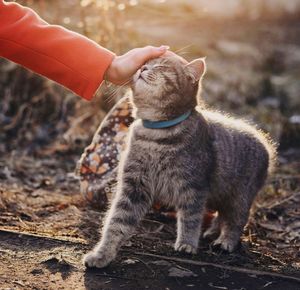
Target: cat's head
x=166, y=87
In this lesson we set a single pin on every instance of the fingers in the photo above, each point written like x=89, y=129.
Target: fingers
x=148, y=52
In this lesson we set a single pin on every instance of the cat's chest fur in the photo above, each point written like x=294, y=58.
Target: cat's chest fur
x=169, y=161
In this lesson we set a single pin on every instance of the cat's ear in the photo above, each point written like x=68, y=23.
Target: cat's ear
x=196, y=69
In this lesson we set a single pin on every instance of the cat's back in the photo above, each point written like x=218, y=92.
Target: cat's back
x=237, y=141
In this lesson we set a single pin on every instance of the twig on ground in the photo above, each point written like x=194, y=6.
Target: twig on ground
x=270, y=257
x=224, y=267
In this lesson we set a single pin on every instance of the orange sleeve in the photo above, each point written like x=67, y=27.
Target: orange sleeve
x=61, y=55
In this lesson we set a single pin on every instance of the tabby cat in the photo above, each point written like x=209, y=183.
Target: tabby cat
x=184, y=157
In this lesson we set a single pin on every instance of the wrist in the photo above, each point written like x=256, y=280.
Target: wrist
x=111, y=74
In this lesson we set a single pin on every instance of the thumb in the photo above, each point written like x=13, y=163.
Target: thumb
x=148, y=52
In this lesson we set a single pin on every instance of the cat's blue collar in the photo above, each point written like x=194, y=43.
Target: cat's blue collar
x=165, y=124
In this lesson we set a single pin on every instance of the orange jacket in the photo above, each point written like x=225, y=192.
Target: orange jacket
x=64, y=56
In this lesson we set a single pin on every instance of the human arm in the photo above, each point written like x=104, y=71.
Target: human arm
x=66, y=57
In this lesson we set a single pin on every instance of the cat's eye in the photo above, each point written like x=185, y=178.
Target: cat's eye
x=158, y=66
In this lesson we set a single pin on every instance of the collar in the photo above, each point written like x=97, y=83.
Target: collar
x=166, y=124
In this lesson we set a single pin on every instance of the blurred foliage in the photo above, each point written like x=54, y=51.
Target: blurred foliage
x=104, y=21
x=253, y=59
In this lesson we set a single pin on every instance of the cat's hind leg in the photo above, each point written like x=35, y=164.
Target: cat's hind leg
x=234, y=211
x=232, y=219
x=128, y=208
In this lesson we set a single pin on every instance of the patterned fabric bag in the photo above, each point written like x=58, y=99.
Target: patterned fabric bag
x=97, y=167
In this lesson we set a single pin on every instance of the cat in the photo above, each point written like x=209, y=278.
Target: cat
x=184, y=157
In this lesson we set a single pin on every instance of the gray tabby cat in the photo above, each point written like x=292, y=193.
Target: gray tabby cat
x=204, y=161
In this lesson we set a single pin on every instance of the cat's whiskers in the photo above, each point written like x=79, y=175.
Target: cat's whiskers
x=183, y=48
x=151, y=77
x=183, y=53
x=113, y=94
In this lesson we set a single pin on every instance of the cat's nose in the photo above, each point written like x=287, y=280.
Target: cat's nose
x=144, y=68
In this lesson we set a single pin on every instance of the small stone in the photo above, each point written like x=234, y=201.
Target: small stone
x=129, y=261
x=161, y=263
x=37, y=272
x=176, y=272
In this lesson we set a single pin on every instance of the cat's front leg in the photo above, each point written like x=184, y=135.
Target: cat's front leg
x=189, y=222
x=128, y=208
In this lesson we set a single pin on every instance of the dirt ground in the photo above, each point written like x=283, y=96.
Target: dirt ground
x=46, y=227
x=55, y=266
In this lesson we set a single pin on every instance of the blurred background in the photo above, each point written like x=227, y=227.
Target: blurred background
x=252, y=50
x=253, y=60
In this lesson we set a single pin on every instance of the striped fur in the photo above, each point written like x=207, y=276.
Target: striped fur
x=209, y=161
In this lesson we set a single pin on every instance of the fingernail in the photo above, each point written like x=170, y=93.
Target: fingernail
x=164, y=47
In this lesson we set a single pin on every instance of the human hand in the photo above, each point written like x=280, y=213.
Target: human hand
x=123, y=67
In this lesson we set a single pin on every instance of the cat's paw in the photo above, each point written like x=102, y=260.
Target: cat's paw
x=226, y=243
x=98, y=259
x=181, y=247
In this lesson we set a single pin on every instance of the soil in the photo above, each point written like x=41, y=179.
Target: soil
x=43, y=263
x=46, y=227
